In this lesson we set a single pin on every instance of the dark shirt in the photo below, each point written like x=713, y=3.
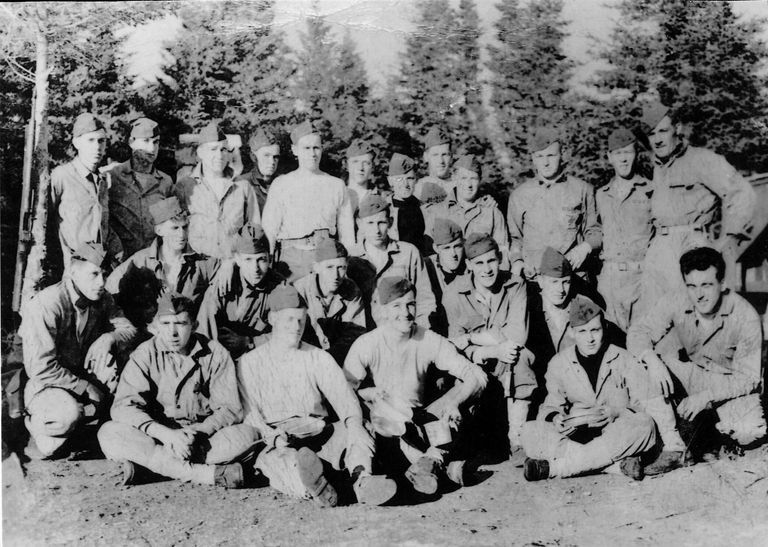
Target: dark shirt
x=591, y=364
x=410, y=221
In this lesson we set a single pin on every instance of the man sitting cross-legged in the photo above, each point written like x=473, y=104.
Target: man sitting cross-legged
x=176, y=406
x=290, y=390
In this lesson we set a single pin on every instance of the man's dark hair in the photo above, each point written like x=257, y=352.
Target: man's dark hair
x=701, y=259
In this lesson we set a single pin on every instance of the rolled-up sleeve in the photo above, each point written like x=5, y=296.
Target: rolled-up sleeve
x=335, y=388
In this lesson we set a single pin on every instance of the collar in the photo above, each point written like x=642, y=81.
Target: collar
x=636, y=181
x=77, y=298
x=393, y=246
x=411, y=201
x=679, y=150
x=345, y=290
x=82, y=170
x=197, y=174
x=561, y=176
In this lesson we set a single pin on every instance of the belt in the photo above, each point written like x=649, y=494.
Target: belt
x=307, y=242
x=627, y=266
x=683, y=229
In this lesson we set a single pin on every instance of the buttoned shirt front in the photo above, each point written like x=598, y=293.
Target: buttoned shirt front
x=440, y=280
x=399, y=367
x=130, y=195
x=624, y=209
x=214, y=221
x=161, y=385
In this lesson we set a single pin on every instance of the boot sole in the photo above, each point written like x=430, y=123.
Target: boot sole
x=375, y=490
x=310, y=469
x=423, y=482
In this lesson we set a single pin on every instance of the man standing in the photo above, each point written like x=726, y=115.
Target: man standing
x=290, y=390
x=136, y=185
x=334, y=303
x=437, y=156
x=71, y=333
x=218, y=204
x=265, y=154
x=395, y=358
x=721, y=336
x=488, y=320
x=624, y=209
x=360, y=156
x=553, y=210
x=306, y=206
x=237, y=316
x=407, y=217
x=446, y=267
x=378, y=256
x=699, y=199
x=176, y=407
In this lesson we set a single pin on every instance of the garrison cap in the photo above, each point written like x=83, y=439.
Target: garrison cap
x=392, y=288
x=445, y=231
x=431, y=193
x=543, y=137
x=211, y=133
x=173, y=303
x=652, y=116
x=435, y=137
x=251, y=240
x=469, y=163
x=302, y=130
x=329, y=249
x=359, y=147
x=284, y=297
x=582, y=310
x=478, y=244
x=144, y=128
x=166, y=209
x=620, y=138
x=86, y=123
x=261, y=138
x=372, y=204
x=400, y=165
x=90, y=252
x=554, y=264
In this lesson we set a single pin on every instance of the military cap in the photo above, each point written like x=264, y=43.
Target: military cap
x=90, y=252
x=251, y=240
x=435, y=137
x=359, y=147
x=372, y=204
x=432, y=193
x=329, y=249
x=400, y=165
x=166, y=209
x=468, y=162
x=478, y=244
x=285, y=297
x=543, y=137
x=262, y=138
x=86, y=123
x=173, y=303
x=582, y=310
x=554, y=264
x=620, y=138
x=652, y=116
x=302, y=130
x=144, y=128
x=211, y=133
x=445, y=231
x=392, y=288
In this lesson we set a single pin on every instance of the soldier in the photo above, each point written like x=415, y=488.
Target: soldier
x=218, y=204
x=237, y=316
x=624, y=209
x=335, y=305
x=488, y=320
x=290, y=390
x=699, y=199
x=360, y=156
x=720, y=335
x=265, y=154
x=72, y=333
x=553, y=210
x=80, y=193
x=395, y=358
x=446, y=268
x=407, y=218
x=378, y=256
x=306, y=206
x=593, y=415
x=437, y=155
x=176, y=407
x=136, y=185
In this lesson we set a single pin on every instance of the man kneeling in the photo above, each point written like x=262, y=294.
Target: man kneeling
x=289, y=390
x=591, y=416
x=176, y=406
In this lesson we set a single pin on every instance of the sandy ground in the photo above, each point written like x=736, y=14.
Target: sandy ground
x=77, y=503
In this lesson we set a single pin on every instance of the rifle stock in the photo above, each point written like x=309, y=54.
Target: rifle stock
x=27, y=213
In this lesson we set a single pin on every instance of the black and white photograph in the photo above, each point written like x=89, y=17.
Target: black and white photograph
x=384, y=272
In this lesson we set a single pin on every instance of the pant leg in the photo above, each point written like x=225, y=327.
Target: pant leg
x=280, y=466
x=742, y=419
x=53, y=415
x=124, y=442
x=231, y=443
x=621, y=290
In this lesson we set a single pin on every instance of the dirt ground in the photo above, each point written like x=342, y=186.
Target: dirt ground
x=77, y=503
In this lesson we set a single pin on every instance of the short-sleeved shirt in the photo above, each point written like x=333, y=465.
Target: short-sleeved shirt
x=624, y=209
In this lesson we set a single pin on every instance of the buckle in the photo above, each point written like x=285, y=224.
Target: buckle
x=623, y=266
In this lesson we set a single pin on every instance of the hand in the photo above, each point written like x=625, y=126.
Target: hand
x=179, y=441
x=691, y=406
x=445, y=409
x=278, y=440
x=606, y=414
x=508, y=352
x=95, y=394
x=658, y=372
x=98, y=357
x=223, y=276
x=562, y=427
x=578, y=254
x=234, y=342
x=358, y=435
